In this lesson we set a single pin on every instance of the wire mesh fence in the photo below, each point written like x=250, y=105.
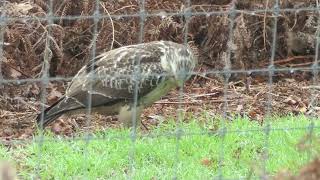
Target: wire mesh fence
x=244, y=49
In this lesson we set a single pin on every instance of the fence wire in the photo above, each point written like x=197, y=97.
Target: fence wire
x=187, y=14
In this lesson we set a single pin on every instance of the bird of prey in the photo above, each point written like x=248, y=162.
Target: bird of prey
x=112, y=79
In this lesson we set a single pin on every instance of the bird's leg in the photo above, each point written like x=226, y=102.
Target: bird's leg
x=126, y=112
x=126, y=115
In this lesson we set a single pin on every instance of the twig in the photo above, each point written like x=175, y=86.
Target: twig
x=27, y=104
x=205, y=77
x=205, y=95
x=289, y=59
x=301, y=64
x=264, y=25
x=311, y=87
x=124, y=7
x=175, y=102
x=105, y=9
x=4, y=113
x=24, y=74
x=197, y=102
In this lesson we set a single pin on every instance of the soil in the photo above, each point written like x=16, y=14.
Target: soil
x=254, y=98
x=36, y=47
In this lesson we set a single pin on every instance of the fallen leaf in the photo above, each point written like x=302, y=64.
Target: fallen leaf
x=14, y=73
x=239, y=108
x=54, y=94
x=206, y=162
x=56, y=128
x=157, y=118
x=303, y=109
x=291, y=101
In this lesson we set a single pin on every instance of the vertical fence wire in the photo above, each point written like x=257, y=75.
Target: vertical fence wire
x=44, y=84
x=87, y=138
x=315, y=82
x=271, y=69
x=2, y=28
x=137, y=78
x=179, y=131
x=226, y=75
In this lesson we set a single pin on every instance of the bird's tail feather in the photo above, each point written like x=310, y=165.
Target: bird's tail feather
x=56, y=110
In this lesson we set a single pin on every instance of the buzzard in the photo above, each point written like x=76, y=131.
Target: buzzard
x=152, y=69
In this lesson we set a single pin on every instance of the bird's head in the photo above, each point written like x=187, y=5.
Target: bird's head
x=179, y=62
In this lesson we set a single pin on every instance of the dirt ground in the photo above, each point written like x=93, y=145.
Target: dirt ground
x=253, y=98
x=61, y=47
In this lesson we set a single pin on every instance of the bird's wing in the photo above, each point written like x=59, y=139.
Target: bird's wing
x=111, y=76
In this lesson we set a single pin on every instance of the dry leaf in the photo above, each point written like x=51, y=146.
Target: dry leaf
x=54, y=94
x=14, y=73
x=303, y=109
x=56, y=128
x=239, y=108
x=290, y=100
x=206, y=162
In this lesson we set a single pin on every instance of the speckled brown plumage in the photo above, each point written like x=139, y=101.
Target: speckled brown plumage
x=154, y=68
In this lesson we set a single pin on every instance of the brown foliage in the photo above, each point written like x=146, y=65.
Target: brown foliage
x=69, y=39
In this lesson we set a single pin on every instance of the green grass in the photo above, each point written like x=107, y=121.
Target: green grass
x=161, y=155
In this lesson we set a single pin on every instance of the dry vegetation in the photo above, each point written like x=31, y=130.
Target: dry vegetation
x=34, y=44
